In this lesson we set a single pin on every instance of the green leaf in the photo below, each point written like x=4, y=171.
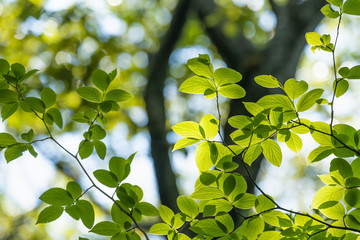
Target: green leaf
x=120, y=167
x=352, y=220
x=166, y=213
x=229, y=184
x=341, y=88
x=197, y=85
x=48, y=96
x=189, y=129
x=340, y=169
x=232, y=91
x=188, y=206
x=100, y=79
x=100, y=149
x=253, y=108
x=72, y=211
x=147, y=209
x=56, y=115
x=184, y=142
x=276, y=100
x=240, y=121
x=8, y=96
x=205, y=155
x=313, y=38
x=273, y=235
x=252, y=227
x=337, y=3
x=352, y=198
x=326, y=194
x=28, y=75
x=28, y=137
x=107, y=178
x=105, y=228
x=245, y=201
x=352, y=7
x=201, y=66
x=335, y=212
x=118, y=95
x=209, y=227
x=35, y=104
x=329, y=12
x=252, y=153
x=86, y=212
x=320, y=132
x=319, y=153
x=267, y=81
x=354, y=72
x=14, y=152
x=277, y=219
x=207, y=193
x=295, y=89
x=57, y=197
x=18, y=70
x=97, y=132
x=86, y=148
x=262, y=203
x=210, y=126
x=294, y=143
x=160, y=229
x=272, y=152
x=223, y=76
x=8, y=109
x=74, y=189
x=50, y=214
x=225, y=222
x=90, y=94
x=4, y=66
x=309, y=99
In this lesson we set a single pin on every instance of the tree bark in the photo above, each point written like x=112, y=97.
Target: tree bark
x=155, y=107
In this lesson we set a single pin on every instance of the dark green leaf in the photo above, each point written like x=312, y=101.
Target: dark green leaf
x=112, y=75
x=28, y=137
x=86, y=212
x=100, y=149
x=74, y=189
x=18, y=70
x=352, y=198
x=14, y=152
x=4, y=66
x=320, y=153
x=28, y=75
x=354, y=72
x=229, y=184
x=8, y=96
x=352, y=7
x=8, y=109
x=50, y=214
x=32, y=150
x=86, y=148
x=90, y=94
x=107, y=178
x=35, y=104
x=98, y=132
x=100, y=79
x=56, y=115
x=48, y=96
x=73, y=212
x=344, y=71
x=341, y=88
x=105, y=228
x=57, y=197
x=118, y=95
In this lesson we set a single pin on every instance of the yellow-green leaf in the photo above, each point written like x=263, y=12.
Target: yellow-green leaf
x=272, y=152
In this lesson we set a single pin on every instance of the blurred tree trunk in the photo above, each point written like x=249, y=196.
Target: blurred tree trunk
x=279, y=58
x=154, y=99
